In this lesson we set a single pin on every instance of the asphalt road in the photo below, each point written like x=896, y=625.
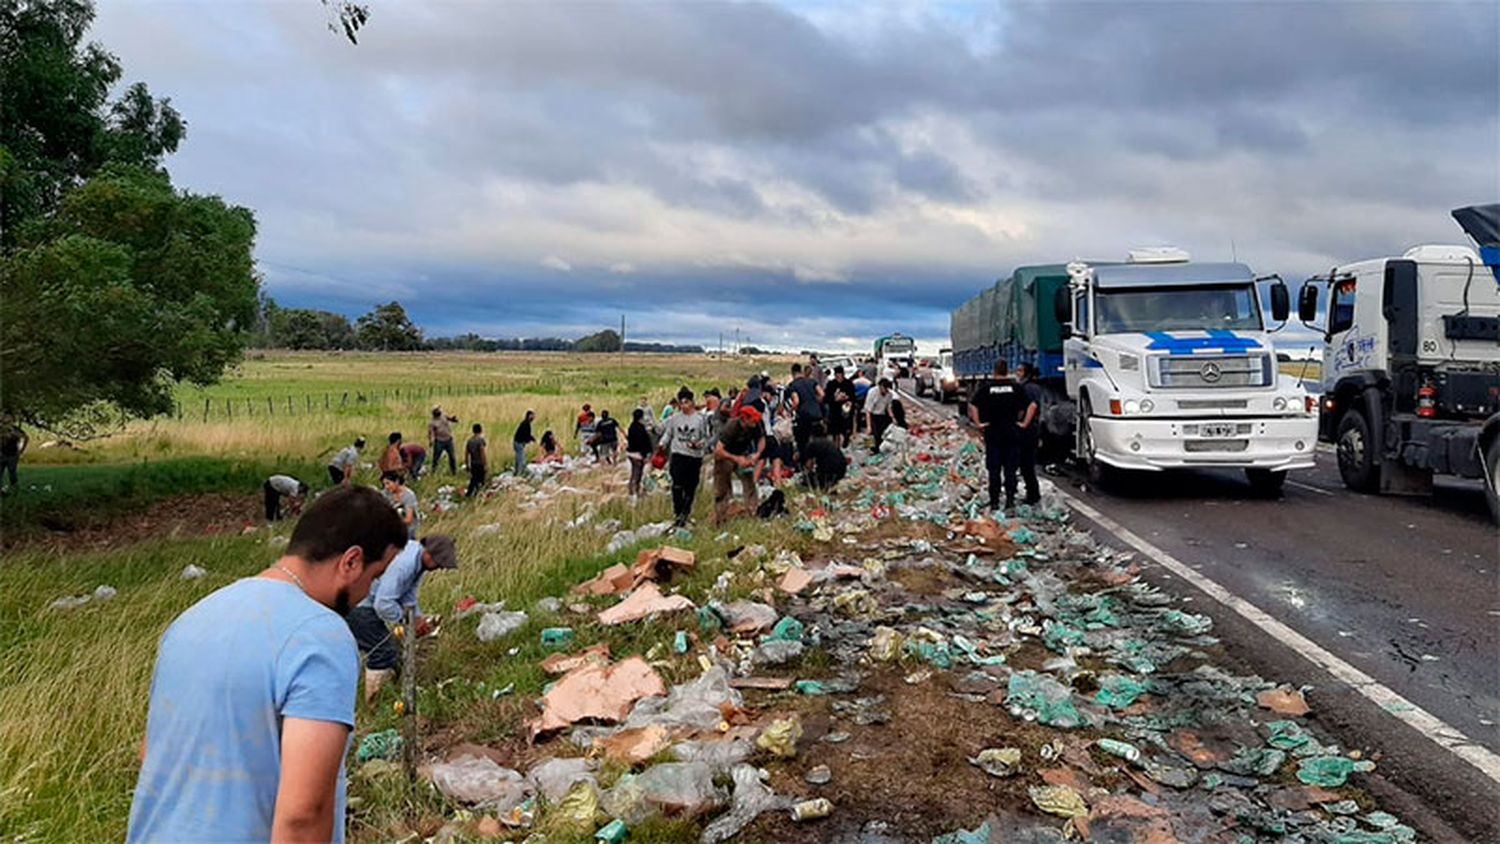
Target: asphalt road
x=1405, y=589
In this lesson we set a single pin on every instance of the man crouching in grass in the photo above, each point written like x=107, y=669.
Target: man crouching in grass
x=252, y=701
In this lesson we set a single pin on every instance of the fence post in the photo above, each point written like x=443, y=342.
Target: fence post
x=270, y=406
x=206, y=403
x=229, y=406
x=409, y=695
x=289, y=405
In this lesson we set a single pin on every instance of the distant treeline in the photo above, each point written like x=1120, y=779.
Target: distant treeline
x=388, y=328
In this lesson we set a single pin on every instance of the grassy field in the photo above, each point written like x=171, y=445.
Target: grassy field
x=337, y=396
x=74, y=683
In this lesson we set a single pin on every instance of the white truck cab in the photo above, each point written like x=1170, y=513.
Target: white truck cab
x=1170, y=365
x=1411, y=367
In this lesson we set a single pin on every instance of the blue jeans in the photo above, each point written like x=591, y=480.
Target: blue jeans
x=440, y=446
x=520, y=456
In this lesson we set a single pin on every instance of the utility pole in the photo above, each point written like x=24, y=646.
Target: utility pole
x=721, y=344
x=622, y=336
x=736, y=339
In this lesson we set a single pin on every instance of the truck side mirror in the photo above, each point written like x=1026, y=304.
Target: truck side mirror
x=1281, y=302
x=1307, y=303
x=1062, y=305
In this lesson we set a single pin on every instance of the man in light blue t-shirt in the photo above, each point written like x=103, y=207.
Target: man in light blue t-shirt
x=252, y=702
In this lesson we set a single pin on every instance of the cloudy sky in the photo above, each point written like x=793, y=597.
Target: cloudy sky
x=812, y=174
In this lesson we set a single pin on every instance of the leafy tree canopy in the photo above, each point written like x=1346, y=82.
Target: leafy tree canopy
x=388, y=328
x=128, y=287
x=57, y=126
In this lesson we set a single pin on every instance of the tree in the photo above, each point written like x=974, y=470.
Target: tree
x=388, y=328
x=56, y=126
x=129, y=287
x=607, y=340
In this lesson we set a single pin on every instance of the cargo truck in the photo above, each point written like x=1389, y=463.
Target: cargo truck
x=1411, y=363
x=897, y=353
x=1152, y=364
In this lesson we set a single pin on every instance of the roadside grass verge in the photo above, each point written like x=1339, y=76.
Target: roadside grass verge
x=74, y=684
x=62, y=498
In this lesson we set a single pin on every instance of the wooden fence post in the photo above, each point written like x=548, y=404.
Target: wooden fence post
x=206, y=403
x=409, y=695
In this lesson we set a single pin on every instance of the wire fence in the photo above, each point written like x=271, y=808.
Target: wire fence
x=334, y=401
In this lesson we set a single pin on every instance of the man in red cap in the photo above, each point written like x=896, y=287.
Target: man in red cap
x=741, y=442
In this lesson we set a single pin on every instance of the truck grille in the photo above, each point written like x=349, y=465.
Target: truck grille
x=1198, y=446
x=1211, y=371
x=1213, y=404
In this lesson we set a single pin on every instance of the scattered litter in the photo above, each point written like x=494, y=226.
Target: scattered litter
x=809, y=810
x=1283, y=701
x=646, y=601
x=100, y=593
x=680, y=789
x=1330, y=771
x=563, y=663
x=480, y=782
x=191, y=572
x=751, y=798
x=818, y=775
x=1059, y=800
x=998, y=761
x=385, y=744
x=780, y=737
x=595, y=692
x=496, y=624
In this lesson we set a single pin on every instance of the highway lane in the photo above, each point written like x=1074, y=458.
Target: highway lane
x=1406, y=590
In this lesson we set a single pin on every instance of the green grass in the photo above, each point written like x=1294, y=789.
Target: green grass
x=68, y=497
x=74, y=683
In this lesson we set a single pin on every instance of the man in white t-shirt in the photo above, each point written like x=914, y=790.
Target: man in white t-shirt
x=278, y=487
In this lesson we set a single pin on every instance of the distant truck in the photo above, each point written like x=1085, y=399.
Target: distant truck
x=1153, y=364
x=947, y=378
x=896, y=352
x=1411, y=363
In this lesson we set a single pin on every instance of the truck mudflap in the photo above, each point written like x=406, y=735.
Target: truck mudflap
x=1275, y=444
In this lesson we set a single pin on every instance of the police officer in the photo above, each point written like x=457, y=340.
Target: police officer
x=1002, y=410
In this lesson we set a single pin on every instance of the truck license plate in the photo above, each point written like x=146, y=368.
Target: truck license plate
x=1218, y=430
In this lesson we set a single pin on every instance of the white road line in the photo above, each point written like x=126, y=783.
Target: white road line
x=1319, y=490
x=1419, y=719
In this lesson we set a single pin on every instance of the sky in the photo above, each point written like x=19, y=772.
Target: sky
x=811, y=175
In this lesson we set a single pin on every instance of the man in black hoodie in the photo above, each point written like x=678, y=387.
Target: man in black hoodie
x=522, y=439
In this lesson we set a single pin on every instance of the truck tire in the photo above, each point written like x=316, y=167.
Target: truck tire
x=1492, y=479
x=1266, y=483
x=1359, y=465
x=1097, y=471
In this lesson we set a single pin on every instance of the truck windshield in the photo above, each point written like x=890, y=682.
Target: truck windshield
x=899, y=347
x=1177, y=309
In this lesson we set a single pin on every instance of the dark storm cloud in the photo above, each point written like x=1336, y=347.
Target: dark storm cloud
x=835, y=169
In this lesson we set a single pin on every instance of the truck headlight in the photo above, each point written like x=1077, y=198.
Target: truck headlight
x=1279, y=403
x=1132, y=406
x=1147, y=405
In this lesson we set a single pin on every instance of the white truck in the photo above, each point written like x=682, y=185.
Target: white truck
x=1169, y=364
x=1411, y=363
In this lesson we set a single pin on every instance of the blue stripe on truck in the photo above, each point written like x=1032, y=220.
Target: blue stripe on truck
x=1217, y=341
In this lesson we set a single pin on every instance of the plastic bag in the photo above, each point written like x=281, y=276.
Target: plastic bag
x=480, y=781
x=680, y=788
x=496, y=624
x=627, y=801
x=579, y=808
x=554, y=778
x=696, y=704
x=751, y=798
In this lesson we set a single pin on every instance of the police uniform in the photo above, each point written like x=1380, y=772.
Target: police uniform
x=1001, y=404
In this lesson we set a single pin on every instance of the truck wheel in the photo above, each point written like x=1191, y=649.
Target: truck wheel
x=1266, y=483
x=1098, y=472
x=1492, y=479
x=1358, y=463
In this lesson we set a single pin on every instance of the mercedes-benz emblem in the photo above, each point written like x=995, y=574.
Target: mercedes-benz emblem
x=1210, y=372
